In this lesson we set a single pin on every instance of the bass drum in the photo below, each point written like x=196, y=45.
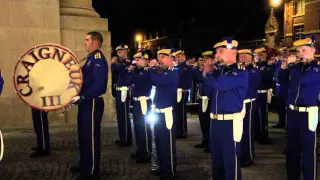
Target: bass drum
x=47, y=77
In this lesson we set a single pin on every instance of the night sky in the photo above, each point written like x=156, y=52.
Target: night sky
x=201, y=22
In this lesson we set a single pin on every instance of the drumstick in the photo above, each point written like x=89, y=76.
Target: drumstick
x=2, y=146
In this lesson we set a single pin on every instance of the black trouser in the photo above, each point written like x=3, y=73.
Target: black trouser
x=281, y=109
x=204, y=118
x=41, y=128
x=181, y=113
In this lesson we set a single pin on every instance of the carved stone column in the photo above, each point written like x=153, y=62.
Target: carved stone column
x=77, y=18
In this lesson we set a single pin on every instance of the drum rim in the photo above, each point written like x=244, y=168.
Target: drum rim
x=37, y=46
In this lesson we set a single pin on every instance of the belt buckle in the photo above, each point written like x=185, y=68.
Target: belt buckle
x=215, y=116
x=296, y=108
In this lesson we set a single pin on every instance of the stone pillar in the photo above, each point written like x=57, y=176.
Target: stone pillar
x=271, y=29
x=23, y=25
x=77, y=18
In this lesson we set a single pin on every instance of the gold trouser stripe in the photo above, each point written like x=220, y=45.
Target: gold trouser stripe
x=146, y=132
x=125, y=116
x=42, y=131
x=236, y=161
x=315, y=156
x=171, y=156
x=92, y=135
x=250, y=115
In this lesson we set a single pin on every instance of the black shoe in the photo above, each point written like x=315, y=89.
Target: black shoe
x=40, y=154
x=134, y=155
x=35, y=148
x=155, y=172
x=75, y=169
x=279, y=126
x=198, y=146
x=122, y=144
x=182, y=137
x=143, y=160
x=88, y=177
x=247, y=164
x=207, y=150
x=168, y=177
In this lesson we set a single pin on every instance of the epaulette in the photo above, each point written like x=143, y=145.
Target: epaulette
x=128, y=60
x=171, y=68
x=97, y=55
x=318, y=62
x=146, y=68
x=241, y=67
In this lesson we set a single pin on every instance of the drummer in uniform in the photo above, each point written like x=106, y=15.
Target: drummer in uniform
x=141, y=91
x=303, y=76
x=185, y=84
x=204, y=101
x=41, y=128
x=122, y=99
x=91, y=108
x=265, y=90
x=229, y=83
x=247, y=141
x=166, y=79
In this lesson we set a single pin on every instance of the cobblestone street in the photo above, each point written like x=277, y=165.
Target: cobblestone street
x=193, y=164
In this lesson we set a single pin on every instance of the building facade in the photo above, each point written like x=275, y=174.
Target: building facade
x=301, y=17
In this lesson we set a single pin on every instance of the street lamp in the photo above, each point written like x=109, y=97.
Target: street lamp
x=275, y=3
x=139, y=40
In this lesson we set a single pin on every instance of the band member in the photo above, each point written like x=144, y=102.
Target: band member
x=204, y=101
x=166, y=79
x=261, y=114
x=91, y=107
x=303, y=75
x=141, y=91
x=229, y=83
x=247, y=141
x=122, y=99
x=41, y=128
x=185, y=84
x=280, y=92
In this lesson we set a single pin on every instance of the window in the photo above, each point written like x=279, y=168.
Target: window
x=299, y=7
x=298, y=31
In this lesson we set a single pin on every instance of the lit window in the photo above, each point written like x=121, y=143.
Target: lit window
x=299, y=7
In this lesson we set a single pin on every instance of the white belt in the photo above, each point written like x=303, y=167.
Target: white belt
x=143, y=103
x=312, y=115
x=139, y=98
x=302, y=109
x=237, y=121
x=222, y=116
x=167, y=115
x=262, y=91
x=249, y=100
x=123, y=90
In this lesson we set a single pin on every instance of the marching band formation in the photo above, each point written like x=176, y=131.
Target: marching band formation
x=235, y=87
x=234, y=90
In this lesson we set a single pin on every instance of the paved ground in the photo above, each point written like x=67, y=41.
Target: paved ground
x=193, y=164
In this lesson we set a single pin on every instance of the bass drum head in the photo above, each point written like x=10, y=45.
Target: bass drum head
x=47, y=77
